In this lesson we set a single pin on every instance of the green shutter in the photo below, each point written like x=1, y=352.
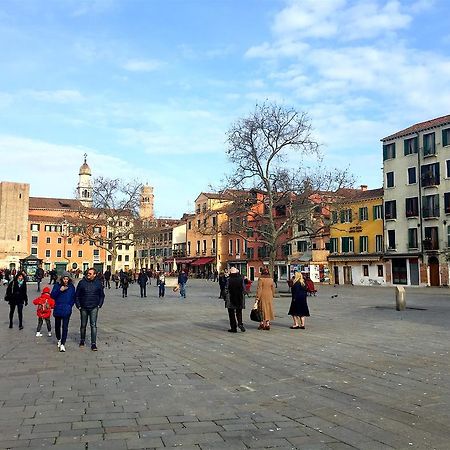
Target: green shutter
x=384, y=152
x=350, y=216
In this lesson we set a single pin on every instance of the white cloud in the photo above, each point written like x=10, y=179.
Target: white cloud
x=56, y=96
x=142, y=65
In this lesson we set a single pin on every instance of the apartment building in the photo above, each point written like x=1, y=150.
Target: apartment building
x=416, y=170
x=356, y=239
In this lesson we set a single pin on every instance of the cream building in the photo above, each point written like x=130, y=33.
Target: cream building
x=416, y=170
x=14, y=204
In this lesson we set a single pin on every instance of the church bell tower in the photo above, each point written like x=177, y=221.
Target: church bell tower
x=84, y=188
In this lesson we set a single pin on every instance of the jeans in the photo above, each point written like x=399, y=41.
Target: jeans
x=65, y=328
x=12, y=308
x=41, y=321
x=183, y=290
x=162, y=289
x=143, y=290
x=92, y=314
x=235, y=316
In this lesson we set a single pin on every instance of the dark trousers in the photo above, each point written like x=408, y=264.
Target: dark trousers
x=64, y=321
x=235, y=316
x=12, y=308
x=124, y=291
x=143, y=290
x=41, y=321
x=92, y=315
x=108, y=284
x=162, y=289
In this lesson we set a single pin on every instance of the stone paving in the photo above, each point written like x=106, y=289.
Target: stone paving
x=167, y=374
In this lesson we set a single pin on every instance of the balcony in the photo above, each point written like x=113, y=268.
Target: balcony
x=430, y=180
x=430, y=213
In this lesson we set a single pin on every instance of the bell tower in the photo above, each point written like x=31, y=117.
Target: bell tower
x=84, y=188
x=146, y=204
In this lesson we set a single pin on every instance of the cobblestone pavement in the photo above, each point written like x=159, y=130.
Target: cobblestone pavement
x=167, y=374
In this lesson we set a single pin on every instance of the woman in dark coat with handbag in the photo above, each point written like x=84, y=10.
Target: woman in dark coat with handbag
x=299, y=305
x=234, y=300
x=16, y=296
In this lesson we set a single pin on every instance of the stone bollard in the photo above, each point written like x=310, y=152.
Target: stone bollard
x=400, y=298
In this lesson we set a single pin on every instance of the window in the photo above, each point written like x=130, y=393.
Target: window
x=447, y=168
x=364, y=213
x=204, y=246
x=363, y=244
x=391, y=240
x=334, y=245
x=69, y=240
x=204, y=222
x=47, y=240
x=119, y=257
x=429, y=174
x=34, y=227
x=58, y=253
x=48, y=228
x=189, y=225
x=390, y=179
x=411, y=145
x=91, y=242
x=97, y=230
x=365, y=270
x=302, y=226
x=346, y=215
x=389, y=151
x=189, y=247
x=380, y=270
x=447, y=202
x=334, y=217
x=214, y=221
x=379, y=243
x=412, y=176
x=429, y=147
x=109, y=257
x=127, y=258
x=96, y=252
x=412, y=238
x=47, y=253
x=390, y=209
x=198, y=248
x=448, y=236
x=230, y=247
x=302, y=246
x=34, y=239
x=250, y=253
x=213, y=245
x=69, y=253
x=34, y=251
x=430, y=206
x=80, y=241
x=80, y=253
x=18, y=238
x=378, y=212
x=431, y=241
x=287, y=249
x=412, y=207
x=238, y=246
x=59, y=240
x=446, y=137
x=347, y=244
x=119, y=247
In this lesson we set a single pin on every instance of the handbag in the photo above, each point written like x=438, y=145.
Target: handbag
x=255, y=313
x=176, y=288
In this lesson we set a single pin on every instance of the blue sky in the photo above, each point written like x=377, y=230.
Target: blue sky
x=149, y=88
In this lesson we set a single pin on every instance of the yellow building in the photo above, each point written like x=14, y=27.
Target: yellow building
x=356, y=239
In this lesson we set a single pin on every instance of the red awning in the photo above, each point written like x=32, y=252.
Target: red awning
x=203, y=261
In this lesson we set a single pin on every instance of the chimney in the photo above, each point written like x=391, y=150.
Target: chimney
x=364, y=187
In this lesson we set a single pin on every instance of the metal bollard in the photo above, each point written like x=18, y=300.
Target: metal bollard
x=400, y=298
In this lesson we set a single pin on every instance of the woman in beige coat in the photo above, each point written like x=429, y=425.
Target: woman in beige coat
x=264, y=294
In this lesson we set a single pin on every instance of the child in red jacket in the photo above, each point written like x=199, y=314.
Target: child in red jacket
x=45, y=304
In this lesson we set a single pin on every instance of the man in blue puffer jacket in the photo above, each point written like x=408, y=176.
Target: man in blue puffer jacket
x=88, y=299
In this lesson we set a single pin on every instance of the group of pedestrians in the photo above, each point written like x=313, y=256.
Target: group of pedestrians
x=232, y=290
x=88, y=297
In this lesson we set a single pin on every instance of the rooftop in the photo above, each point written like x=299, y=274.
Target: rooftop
x=421, y=126
x=54, y=203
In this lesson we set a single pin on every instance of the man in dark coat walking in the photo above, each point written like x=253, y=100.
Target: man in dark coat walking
x=234, y=300
x=89, y=297
x=142, y=281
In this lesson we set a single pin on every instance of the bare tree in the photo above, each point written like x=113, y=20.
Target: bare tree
x=113, y=219
x=278, y=178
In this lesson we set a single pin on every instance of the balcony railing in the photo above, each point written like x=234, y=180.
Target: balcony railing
x=428, y=213
x=430, y=180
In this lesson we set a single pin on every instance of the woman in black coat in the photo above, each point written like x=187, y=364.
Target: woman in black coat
x=234, y=300
x=299, y=305
x=16, y=295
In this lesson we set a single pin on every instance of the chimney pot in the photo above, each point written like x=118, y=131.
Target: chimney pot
x=364, y=187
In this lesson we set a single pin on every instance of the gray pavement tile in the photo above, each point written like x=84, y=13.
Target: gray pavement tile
x=150, y=442
x=189, y=439
x=22, y=443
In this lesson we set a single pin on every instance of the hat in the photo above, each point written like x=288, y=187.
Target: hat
x=66, y=274
x=234, y=270
x=46, y=290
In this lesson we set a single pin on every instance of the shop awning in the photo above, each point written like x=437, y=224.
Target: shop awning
x=203, y=261
x=179, y=260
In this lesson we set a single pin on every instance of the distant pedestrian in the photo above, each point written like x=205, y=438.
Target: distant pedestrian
x=162, y=284
x=116, y=280
x=125, y=283
x=182, y=280
x=142, y=281
x=16, y=296
x=222, y=284
x=299, y=304
x=264, y=294
x=88, y=299
x=44, y=304
x=275, y=277
x=216, y=275
x=234, y=300
x=63, y=293
x=107, y=278
x=38, y=276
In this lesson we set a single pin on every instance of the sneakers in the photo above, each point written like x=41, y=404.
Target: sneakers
x=38, y=334
x=62, y=348
x=59, y=343
x=241, y=327
x=93, y=347
x=81, y=343
x=49, y=334
x=20, y=327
